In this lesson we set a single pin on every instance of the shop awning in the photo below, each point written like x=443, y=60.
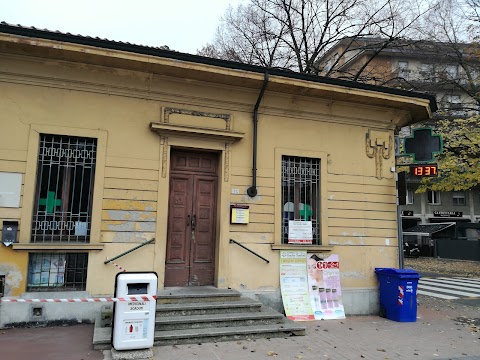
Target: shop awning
x=427, y=229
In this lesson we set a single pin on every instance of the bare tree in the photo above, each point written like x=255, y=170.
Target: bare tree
x=473, y=10
x=451, y=35
x=294, y=34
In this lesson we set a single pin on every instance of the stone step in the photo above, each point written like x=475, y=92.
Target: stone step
x=102, y=336
x=209, y=307
x=194, y=336
x=265, y=316
x=206, y=314
x=195, y=294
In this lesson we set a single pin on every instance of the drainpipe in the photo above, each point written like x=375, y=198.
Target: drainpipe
x=252, y=190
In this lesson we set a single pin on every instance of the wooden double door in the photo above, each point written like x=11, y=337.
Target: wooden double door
x=191, y=239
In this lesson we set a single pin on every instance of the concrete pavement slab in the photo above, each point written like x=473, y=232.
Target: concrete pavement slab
x=49, y=343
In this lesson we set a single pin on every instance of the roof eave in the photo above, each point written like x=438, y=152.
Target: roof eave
x=102, y=47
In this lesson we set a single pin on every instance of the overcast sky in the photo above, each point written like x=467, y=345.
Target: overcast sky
x=182, y=25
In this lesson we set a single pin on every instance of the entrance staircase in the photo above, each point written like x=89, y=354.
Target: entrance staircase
x=207, y=314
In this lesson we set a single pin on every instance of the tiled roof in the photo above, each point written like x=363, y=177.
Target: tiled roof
x=164, y=47
x=165, y=52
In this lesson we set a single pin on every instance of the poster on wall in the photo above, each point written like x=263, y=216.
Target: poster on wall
x=300, y=232
x=48, y=271
x=294, y=285
x=310, y=286
x=324, y=286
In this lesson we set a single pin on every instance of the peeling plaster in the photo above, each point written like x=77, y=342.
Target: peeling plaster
x=361, y=235
x=13, y=277
x=131, y=215
x=127, y=237
x=132, y=226
x=248, y=199
x=358, y=241
x=267, y=288
x=353, y=275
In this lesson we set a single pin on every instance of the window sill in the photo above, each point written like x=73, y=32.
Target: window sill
x=57, y=247
x=320, y=248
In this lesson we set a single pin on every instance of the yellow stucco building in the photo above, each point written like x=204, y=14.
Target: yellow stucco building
x=106, y=145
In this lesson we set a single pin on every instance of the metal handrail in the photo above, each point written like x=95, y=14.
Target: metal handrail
x=129, y=251
x=253, y=252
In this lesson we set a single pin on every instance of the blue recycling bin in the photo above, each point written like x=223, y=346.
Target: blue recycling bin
x=398, y=293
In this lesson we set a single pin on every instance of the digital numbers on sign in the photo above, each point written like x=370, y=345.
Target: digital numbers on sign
x=424, y=170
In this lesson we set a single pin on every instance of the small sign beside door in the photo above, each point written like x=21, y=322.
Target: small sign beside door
x=239, y=214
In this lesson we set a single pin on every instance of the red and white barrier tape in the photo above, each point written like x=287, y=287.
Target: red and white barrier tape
x=118, y=266
x=108, y=299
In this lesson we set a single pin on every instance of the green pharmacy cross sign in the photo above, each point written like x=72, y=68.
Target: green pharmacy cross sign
x=422, y=145
x=50, y=202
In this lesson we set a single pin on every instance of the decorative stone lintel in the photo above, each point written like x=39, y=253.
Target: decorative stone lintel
x=165, y=129
x=167, y=111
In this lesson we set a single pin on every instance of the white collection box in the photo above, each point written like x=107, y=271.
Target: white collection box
x=134, y=320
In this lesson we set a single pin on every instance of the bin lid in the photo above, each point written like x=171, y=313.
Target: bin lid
x=400, y=273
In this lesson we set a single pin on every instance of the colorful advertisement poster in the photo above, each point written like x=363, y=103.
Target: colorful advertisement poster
x=324, y=286
x=310, y=286
x=294, y=285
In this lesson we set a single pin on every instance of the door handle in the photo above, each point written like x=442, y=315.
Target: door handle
x=188, y=220
x=194, y=221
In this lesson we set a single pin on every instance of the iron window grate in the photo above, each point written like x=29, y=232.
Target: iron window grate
x=57, y=271
x=64, y=189
x=300, y=194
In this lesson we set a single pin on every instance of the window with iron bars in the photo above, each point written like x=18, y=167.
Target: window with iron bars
x=64, y=189
x=301, y=194
x=57, y=271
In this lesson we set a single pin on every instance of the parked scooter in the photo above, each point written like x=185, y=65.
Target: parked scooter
x=411, y=251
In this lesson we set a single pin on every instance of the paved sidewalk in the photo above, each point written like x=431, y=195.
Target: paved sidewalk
x=435, y=335
x=49, y=343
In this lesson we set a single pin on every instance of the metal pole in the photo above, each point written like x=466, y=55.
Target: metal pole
x=399, y=231
x=400, y=238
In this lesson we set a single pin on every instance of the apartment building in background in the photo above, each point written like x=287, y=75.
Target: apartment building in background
x=450, y=72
